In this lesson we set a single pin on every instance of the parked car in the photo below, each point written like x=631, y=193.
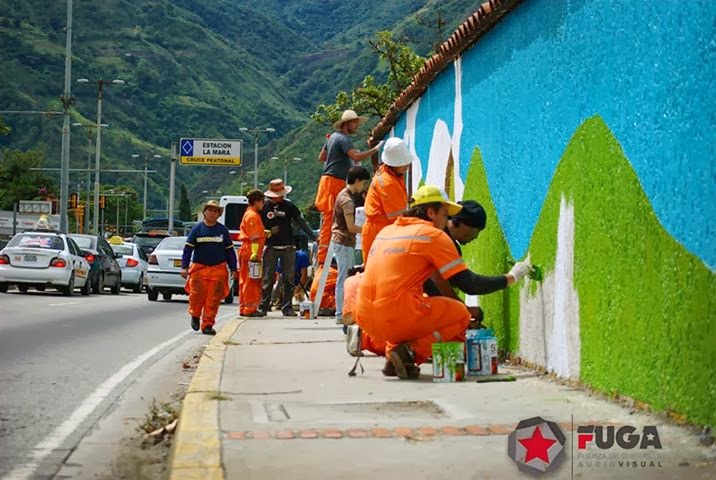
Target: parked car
x=41, y=259
x=105, y=271
x=148, y=241
x=134, y=263
x=164, y=267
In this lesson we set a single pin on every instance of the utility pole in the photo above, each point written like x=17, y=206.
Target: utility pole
x=256, y=131
x=66, y=104
x=146, y=160
x=172, y=174
x=90, y=133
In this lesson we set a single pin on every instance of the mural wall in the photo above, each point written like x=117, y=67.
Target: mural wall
x=587, y=130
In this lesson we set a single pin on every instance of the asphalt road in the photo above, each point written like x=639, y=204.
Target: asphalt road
x=65, y=361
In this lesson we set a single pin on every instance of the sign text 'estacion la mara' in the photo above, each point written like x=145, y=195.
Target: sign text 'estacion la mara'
x=204, y=151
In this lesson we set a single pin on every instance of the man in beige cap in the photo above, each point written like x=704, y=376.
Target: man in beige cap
x=340, y=155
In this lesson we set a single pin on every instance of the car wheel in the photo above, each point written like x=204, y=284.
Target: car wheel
x=167, y=296
x=99, y=285
x=87, y=288
x=40, y=289
x=70, y=288
x=138, y=287
x=152, y=294
x=117, y=287
x=22, y=288
x=3, y=287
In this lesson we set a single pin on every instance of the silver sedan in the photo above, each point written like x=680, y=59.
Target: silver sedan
x=134, y=264
x=41, y=259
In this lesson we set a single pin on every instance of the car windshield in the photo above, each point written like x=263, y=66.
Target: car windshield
x=37, y=240
x=123, y=249
x=147, y=241
x=233, y=213
x=84, y=242
x=172, y=243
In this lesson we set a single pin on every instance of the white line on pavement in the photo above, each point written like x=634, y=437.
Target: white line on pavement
x=60, y=434
x=61, y=304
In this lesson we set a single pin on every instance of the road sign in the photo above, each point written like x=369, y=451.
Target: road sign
x=208, y=152
x=35, y=206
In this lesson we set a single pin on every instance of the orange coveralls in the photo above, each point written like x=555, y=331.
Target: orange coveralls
x=328, y=300
x=391, y=305
x=386, y=200
x=328, y=189
x=207, y=286
x=251, y=231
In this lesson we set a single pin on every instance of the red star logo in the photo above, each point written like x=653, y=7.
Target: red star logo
x=537, y=446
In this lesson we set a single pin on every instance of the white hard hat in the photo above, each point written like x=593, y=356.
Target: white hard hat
x=396, y=153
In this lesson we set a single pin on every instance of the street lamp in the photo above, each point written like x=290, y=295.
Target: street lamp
x=256, y=131
x=98, y=149
x=285, y=167
x=146, y=159
x=89, y=129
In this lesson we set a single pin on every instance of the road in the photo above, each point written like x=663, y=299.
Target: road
x=65, y=361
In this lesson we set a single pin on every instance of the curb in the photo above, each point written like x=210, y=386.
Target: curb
x=196, y=452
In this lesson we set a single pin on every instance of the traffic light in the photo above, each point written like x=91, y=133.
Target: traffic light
x=73, y=200
x=101, y=201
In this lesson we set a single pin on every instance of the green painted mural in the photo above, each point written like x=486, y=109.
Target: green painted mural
x=646, y=305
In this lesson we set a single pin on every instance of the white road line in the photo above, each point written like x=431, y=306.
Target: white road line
x=60, y=434
x=63, y=303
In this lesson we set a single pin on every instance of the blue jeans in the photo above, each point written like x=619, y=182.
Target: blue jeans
x=345, y=258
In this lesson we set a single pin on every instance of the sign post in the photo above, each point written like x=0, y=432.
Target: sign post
x=208, y=152
x=172, y=174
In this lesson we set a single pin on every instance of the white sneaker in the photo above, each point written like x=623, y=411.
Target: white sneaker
x=353, y=343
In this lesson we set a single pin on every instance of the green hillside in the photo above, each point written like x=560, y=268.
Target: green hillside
x=200, y=68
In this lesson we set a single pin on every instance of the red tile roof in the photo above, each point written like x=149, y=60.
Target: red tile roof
x=465, y=36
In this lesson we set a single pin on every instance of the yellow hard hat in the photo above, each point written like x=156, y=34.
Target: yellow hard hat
x=433, y=194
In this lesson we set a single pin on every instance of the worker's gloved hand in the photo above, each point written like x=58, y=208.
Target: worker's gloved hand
x=267, y=233
x=380, y=144
x=254, y=257
x=520, y=270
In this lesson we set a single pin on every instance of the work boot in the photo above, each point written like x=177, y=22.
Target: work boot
x=209, y=331
x=389, y=370
x=288, y=312
x=403, y=361
x=195, y=323
x=257, y=313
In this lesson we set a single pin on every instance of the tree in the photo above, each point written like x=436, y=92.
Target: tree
x=184, y=205
x=4, y=129
x=18, y=181
x=371, y=97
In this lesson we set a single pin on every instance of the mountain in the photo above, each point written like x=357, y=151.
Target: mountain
x=199, y=68
x=646, y=304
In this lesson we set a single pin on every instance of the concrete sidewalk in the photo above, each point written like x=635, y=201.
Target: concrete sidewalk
x=271, y=398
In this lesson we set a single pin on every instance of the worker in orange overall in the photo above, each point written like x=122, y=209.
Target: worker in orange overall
x=209, y=242
x=387, y=197
x=340, y=155
x=391, y=305
x=252, y=236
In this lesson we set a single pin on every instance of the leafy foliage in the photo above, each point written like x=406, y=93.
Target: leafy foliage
x=184, y=205
x=17, y=179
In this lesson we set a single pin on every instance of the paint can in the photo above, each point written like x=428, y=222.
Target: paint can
x=306, y=310
x=481, y=349
x=255, y=270
x=448, y=362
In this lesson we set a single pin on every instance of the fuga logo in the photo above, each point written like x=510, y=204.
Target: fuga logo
x=604, y=437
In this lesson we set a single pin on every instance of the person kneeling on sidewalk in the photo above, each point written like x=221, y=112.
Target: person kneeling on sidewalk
x=391, y=305
x=208, y=282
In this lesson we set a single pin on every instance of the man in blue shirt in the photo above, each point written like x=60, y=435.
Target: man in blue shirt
x=208, y=282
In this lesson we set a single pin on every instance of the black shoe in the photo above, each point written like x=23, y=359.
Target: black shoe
x=209, y=331
x=288, y=312
x=403, y=361
x=389, y=370
x=195, y=323
x=257, y=313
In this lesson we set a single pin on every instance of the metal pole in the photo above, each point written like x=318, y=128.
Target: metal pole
x=79, y=201
x=98, y=147
x=66, y=102
x=256, y=159
x=172, y=173
x=116, y=220
x=144, y=212
x=14, y=218
x=89, y=179
x=285, y=172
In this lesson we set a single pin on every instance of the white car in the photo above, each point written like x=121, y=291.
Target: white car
x=164, y=267
x=134, y=264
x=41, y=259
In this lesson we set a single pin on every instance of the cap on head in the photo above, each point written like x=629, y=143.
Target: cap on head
x=277, y=189
x=432, y=194
x=213, y=204
x=347, y=116
x=472, y=214
x=396, y=153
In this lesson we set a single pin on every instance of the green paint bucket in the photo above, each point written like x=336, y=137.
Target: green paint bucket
x=448, y=362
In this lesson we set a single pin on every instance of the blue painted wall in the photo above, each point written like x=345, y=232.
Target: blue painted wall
x=647, y=68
